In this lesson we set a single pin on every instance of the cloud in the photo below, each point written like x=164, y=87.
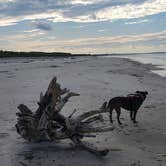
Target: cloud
x=129, y=11
x=106, y=44
x=31, y=31
x=101, y=30
x=85, y=2
x=77, y=10
x=6, y=1
x=109, y=40
x=7, y=21
x=137, y=22
x=43, y=26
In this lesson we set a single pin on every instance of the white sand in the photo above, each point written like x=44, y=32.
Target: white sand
x=96, y=79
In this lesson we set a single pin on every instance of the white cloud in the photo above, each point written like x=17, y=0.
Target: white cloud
x=128, y=11
x=30, y=42
x=101, y=30
x=8, y=21
x=137, y=22
x=6, y=1
x=76, y=13
x=85, y=2
x=31, y=31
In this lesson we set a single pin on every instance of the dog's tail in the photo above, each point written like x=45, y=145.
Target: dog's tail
x=109, y=104
x=104, y=106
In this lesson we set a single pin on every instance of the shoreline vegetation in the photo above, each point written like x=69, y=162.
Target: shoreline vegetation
x=15, y=54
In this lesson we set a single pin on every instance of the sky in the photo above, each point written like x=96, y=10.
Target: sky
x=83, y=26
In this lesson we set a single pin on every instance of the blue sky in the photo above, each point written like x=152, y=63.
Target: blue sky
x=83, y=26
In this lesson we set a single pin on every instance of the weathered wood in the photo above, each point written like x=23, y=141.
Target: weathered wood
x=94, y=119
x=90, y=147
x=46, y=123
x=74, y=111
x=24, y=109
x=43, y=121
x=91, y=113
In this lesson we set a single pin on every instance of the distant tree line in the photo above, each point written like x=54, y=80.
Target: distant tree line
x=5, y=54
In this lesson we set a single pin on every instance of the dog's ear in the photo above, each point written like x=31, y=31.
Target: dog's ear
x=144, y=92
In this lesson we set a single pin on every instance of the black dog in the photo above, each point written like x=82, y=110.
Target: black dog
x=131, y=102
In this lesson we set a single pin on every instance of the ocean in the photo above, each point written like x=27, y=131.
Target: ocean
x=157, y=59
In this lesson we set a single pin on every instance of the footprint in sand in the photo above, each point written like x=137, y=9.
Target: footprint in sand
x=137, y=163
x=4, y=135
x=143, y=148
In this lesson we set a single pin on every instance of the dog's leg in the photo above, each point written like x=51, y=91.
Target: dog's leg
x=111, y=110
x=134, y=117
x=131, y=115
x=118, y=111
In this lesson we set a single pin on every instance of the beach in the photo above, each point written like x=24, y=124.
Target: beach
x=97, y=79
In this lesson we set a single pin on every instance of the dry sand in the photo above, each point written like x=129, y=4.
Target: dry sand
x=97, y=80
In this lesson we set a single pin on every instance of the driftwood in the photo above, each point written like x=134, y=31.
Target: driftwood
x=46, y=123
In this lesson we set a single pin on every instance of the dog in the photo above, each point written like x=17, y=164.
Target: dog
x=131, y=102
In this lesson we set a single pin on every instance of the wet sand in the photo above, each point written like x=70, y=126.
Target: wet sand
x=97, y=80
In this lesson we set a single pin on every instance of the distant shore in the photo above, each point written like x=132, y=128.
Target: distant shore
x=13, y=54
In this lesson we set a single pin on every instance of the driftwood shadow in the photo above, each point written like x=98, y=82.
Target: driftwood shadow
x=51, y=153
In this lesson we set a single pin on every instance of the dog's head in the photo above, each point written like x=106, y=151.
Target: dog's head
x=142, y=94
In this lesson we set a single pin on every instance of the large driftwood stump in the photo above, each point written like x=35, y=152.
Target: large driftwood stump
x=46, y=123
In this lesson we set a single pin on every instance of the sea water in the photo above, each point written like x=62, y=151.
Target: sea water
x=157, y=59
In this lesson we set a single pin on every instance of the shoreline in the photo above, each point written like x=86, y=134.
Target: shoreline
x=150, y=66
x=158, y=69
x=155, y=68
x=31, y=54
